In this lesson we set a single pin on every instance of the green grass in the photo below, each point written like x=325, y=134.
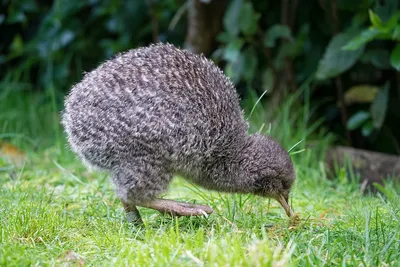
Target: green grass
x=55, y=212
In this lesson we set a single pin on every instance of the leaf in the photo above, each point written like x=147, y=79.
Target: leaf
x=275, y=32
x=361, y=39
x=66, y=37
x=225, y=37
x=234, y=69
x=357, y=120
x=17, y=45
x=335, y=60
x=16, y=16
x=248, y=19
x=250, y=63
x=367, y=129
x=375, y=20
x=358, y=20
x=232, y=50
x=29, y=5
x=360, y=94
x=393, y=20
x=287, y=50
x=379, y=107
x=395, y=58
x=112, y=25
x=396, y=33
x=231, y=17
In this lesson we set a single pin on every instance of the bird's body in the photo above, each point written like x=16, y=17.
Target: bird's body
x=154, y=112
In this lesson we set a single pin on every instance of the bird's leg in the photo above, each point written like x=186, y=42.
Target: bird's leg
x=132, y=214
x=176, y=208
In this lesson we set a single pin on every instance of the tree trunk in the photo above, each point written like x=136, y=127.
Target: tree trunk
x=287, y=81
x=204, y=24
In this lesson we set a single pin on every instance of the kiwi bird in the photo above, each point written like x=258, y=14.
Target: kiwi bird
x=157, y=111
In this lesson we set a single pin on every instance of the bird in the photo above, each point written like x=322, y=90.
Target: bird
x=151, y=113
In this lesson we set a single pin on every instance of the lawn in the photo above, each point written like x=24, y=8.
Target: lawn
x=56, y=212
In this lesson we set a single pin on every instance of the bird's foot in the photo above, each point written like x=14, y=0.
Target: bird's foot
x=132, y=214
x=176, y=208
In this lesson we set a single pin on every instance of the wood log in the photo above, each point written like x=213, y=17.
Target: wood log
x=372, y=167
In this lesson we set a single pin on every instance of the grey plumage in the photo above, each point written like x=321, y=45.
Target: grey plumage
x=156, y=111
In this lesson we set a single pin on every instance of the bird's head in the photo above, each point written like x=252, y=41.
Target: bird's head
x=269, y=169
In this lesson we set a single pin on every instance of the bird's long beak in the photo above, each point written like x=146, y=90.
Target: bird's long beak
x=284, y=202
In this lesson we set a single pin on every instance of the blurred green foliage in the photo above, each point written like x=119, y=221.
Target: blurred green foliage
x=51, y=43
x=331, y=46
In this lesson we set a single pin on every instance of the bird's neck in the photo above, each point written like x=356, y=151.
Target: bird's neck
x=226, y=173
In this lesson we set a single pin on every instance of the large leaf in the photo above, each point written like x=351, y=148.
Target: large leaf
x=360, y=94
x=248, y=19
x=395, y=58
x=379, y=107
x=361, y=39
x=357, y=120
x=231, y=17
x=336, y=60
